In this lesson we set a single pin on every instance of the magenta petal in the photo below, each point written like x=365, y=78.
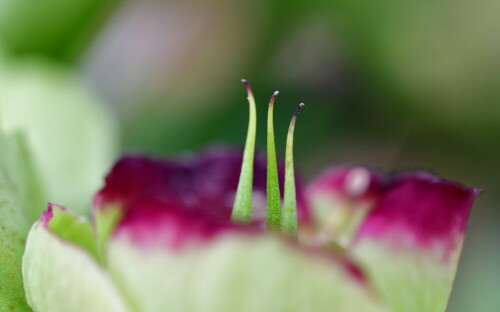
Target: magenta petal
x=48, y=214
x=151, y=221
x=197, y=186
x=406, y=229
x=415, y=206
x=410, y=239
x=423, y=206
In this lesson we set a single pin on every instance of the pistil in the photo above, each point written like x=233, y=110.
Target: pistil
x=273, y=189
x=289, y=221
x=242, y=208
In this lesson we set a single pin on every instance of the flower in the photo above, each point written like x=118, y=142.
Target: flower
x=187, y=234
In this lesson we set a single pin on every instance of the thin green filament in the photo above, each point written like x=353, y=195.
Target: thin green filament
x=242, y=208
x=289, y=221
x=273, y=217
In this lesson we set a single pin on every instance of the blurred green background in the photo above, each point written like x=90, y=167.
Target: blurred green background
x=392, y=84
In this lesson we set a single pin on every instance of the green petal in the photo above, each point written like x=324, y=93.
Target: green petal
x=60, y=275
x=73, y=229
x=235, y=273
x=105, y=220
x=409, y=280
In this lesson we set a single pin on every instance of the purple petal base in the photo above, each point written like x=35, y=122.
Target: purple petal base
x=153, y=193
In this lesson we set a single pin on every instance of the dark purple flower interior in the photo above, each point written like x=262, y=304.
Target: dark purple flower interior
x=200, y=186
x=153, y=221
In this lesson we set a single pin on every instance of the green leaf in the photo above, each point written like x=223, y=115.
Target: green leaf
x=20, y=190
x=13, y=229
x=64, y=35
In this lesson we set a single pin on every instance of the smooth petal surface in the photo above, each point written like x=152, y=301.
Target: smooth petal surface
x=340, y=199
x=59, y=270
x=195, y=263
x=235, y=273
x=410, y=235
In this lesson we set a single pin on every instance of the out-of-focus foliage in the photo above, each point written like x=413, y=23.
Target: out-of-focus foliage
x=53, y=28
x=68, y=130
x=21, y=174
x=54, y=134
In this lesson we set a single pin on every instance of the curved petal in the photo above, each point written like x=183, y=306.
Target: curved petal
x=168, y=259
x=411, y=232
x=340, y=199
x=60, y=274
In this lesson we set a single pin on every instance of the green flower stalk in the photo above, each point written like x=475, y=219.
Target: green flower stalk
x=289, y=223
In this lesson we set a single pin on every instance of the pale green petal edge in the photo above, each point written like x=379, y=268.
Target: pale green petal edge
x=60, y=276
x=408, y=278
